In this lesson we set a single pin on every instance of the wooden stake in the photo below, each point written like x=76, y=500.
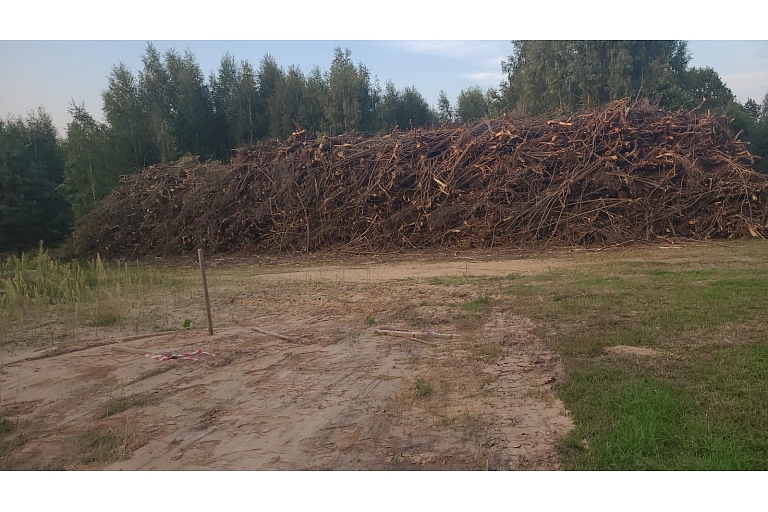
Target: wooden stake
x=205, y=290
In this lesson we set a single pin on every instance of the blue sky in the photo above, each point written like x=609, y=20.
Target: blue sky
x=50, y=73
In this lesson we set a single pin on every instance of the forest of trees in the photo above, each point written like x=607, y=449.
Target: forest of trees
x=170, y=108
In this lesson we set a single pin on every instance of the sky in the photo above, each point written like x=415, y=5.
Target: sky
x=53, y=73
x=67, y=54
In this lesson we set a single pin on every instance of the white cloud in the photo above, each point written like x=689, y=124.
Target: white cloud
x=485, y=77
x=452, y=49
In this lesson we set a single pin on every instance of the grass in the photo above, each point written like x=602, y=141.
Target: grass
x=6, y=426
x=123, y=403
x=369, y=320
x=642, y=423
x=479, y=304
x=702, y=406
x=39, y=291
x=107, y=315
x=10, y=438
x=423, y=388
x=453, y=280
x=485, y=351
x=104, y=444
x=473, y=313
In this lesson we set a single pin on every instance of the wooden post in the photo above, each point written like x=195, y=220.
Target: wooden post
x=205, y=290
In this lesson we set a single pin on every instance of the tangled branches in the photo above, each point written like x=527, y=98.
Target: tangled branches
x=625, y=171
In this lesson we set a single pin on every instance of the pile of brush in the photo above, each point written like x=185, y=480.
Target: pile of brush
x=627, y=171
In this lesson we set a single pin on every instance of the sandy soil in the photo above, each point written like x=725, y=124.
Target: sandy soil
x=338, y=397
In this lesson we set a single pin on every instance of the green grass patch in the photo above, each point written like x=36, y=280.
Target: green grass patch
x=478, y=305
x=634, y=422
x=423, y=388
x=702, y=405
x=453, y=280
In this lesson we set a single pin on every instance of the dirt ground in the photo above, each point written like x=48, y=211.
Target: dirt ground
x=338, y=396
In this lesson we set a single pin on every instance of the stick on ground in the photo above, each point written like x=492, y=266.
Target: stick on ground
x=142, y=351
x=276, y=335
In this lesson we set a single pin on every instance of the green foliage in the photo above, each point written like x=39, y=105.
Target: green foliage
x=404, y=109
x=270, y=78
x=187, y=323
x=90, y=172
x=107, y=314
x=32, y=207
x=369, y=320
x=156, y=102
x=344, y=109
x=558, y=77
x=444, y=108
x=131, y=146
x=423, y=388
x=248, y=97
x=191, y=119
x=751, y=122
x=472, y=104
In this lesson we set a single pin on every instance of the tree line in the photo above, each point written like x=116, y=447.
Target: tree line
x=170, y=108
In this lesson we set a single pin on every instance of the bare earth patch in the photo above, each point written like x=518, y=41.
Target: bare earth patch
x=340, y=397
